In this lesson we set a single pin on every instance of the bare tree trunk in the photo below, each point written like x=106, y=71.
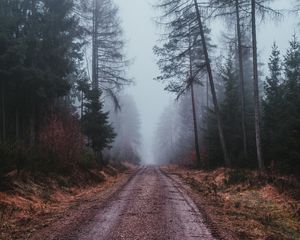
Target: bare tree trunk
x=32, y=127
x=195, y=126
x=207, y=93
x=193, y=106
x=207, y=123
x=212, y=87
x=94, y=46
x=256, y=89
x=241, y=76
x=3, y=112
x=81, y=107
x=17, y=124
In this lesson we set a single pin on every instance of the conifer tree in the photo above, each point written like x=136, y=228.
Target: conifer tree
x=95, y=122
x=273, y=106
x=230, y=107
x=291, y=107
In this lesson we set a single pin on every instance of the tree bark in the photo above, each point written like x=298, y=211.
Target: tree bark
x=32, y=133
x=241, y=76
x=212, y=87
x=193, y=105
x=256, y=89
x=3, y=111
x=81, y=107
x=94, y=46
x=195, y=126
x=17, y=124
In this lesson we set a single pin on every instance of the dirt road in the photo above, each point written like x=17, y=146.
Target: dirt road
x=150, y=206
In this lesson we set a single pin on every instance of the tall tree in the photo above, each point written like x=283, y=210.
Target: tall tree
x=291, y=108
x=176, y=10
x=228, y=10
x=212, y=86
x=256, y=89
x=281, y=109
x=95, y=123
x=230, y=107
x=241, y=76
x=181, y=62
x=273, y=115
x=36, y=65
x=109, y=63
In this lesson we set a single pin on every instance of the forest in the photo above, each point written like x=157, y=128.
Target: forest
x=76, y=107
x=228, y=111
x=62, y=71
x=64, y=68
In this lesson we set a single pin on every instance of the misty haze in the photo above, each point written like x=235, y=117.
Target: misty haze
x=149, y=119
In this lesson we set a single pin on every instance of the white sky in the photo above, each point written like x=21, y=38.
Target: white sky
x=141, y=34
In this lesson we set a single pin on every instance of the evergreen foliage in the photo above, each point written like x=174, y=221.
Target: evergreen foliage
x=230, y=107
x=282, y=109
x=95, y=122
x=43, y=77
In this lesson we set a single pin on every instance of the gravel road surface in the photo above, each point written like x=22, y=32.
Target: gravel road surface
x=150, y=206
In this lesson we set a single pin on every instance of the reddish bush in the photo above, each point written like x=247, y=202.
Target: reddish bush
x=204, y=156
x=189, y=159
x=62, y=139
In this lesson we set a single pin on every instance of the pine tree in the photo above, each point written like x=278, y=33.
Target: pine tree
x=212, y=85
x=282, y=109
x=181, y=64
x=272, y=107
x=274, y=80
x=188, y=35
x=291, y=108
x=95, y=122
x=292, y=70
x=230, y=108
x=38, y=57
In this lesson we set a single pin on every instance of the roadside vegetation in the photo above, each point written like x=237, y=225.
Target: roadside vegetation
x=61, y=109
x=30, y=203
x=245, y=204
x=61, y=94
x=235, y=117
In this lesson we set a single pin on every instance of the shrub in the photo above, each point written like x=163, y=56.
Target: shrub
x=235, y=176
x=61, y=140
x=87, y=160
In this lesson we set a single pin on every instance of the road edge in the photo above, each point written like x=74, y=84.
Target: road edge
x=211, y=225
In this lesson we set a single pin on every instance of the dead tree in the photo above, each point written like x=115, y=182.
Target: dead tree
x=212, y=87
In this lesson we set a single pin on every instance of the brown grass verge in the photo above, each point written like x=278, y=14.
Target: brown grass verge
x=246, y=204
x=31, y=203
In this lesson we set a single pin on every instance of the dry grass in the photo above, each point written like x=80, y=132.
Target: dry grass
x=246, y=205
x=31, y=204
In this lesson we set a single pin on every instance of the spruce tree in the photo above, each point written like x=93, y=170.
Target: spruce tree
x=273, y=107
x=291, y=108
x=230, y=108
x=95, y=122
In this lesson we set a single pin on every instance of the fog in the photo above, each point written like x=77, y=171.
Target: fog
x=142, y=34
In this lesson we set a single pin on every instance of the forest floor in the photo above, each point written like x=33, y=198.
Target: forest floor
x=151, y=203
x=147, y=204
x=30, y=203
x=245, y=204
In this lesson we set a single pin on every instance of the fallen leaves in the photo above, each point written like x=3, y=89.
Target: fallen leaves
x=245, y=203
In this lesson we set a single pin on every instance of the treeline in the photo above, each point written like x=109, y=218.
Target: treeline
x=60, y=60
x=233, y=115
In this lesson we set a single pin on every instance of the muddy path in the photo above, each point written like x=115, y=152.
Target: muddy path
x=151, y=205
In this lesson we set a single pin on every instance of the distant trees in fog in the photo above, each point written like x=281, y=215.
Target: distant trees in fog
x=245, y=111
x=126, y=123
